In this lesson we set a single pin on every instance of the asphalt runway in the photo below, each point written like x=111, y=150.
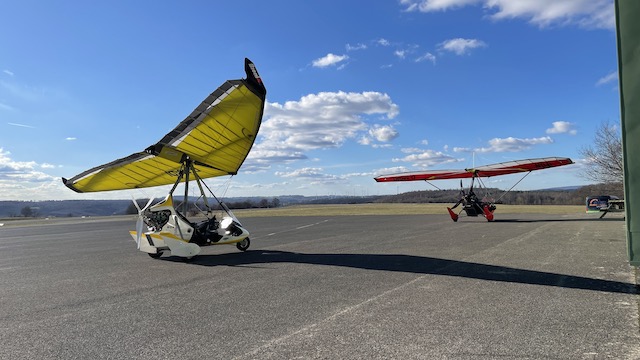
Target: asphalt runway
x=354, y=287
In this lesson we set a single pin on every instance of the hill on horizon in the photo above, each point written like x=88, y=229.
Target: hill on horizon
x=568, y=195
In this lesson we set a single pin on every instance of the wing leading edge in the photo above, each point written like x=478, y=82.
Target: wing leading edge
x=505, y=168
x=217, y=136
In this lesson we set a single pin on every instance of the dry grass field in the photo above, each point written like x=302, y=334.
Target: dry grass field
x=325, y=210
x=399, y=209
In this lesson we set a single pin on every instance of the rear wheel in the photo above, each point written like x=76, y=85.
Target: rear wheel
x=244, y=244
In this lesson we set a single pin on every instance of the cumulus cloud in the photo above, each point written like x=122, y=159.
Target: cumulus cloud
x=542, y=13
x=425, y=158
x=460, y=46
x=562, y=127
x=384, y=133
x=586, y=13
x=380, y=133
x=509, y=144
x=312, y=176
x=20, y=171
x=329, y=60
x=25, y=180
x=390, y=170
x=320, y=121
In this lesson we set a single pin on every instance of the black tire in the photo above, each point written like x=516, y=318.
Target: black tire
x=244, y=244
x=156, y=255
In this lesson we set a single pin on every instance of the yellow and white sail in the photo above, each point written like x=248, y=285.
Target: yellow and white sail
x=216, y=137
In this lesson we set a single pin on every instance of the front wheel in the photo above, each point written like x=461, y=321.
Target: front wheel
x=244, y=244
x=156, y=255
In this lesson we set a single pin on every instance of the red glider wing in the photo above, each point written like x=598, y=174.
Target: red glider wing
x=505, y=168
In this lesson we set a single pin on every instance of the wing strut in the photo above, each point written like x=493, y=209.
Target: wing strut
x=187, y=168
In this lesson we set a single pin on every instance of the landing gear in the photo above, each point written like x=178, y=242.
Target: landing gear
x=453, y=215
x=244, y=244
x=156, y=255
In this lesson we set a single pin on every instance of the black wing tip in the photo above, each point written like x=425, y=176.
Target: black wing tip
x=253, y=77
x=68, y=184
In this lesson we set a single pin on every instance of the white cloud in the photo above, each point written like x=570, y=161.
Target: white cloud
x=8, y=72
x=461, y=46
x=261, y=157
x=323, y=120
x=427, y=57
x=435, y=5
x=542, y=13
x=400, y=53
x=585, y=13
x=329, y=60
x=383, y=42
x=425, y=158
x=384, y=133
x=390, y=170
x=355, y=47
x=611, y=77
x=411, y=150
x=380, y=133
x=21, y=125
x=562, y=127
x=308, y=172
x=509, y=144
x=312, y=176
x=71, y=138
x=319, y=121
x=21, y=173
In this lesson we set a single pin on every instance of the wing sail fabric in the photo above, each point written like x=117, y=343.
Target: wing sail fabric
x=505, y=168
x=217, y=136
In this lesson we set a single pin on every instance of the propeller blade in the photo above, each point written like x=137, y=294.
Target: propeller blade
x=148, y=203
x=135, y=203
x=140, y=221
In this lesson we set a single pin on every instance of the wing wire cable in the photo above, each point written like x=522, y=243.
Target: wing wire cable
x=514, y=185
x=487, y=192
x=228, y=182
x=427, y=181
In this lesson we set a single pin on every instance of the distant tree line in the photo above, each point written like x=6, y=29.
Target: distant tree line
x=194, y=207
x=31, y=209
x=535, y=197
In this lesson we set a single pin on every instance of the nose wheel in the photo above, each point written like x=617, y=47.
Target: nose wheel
x=244, y=244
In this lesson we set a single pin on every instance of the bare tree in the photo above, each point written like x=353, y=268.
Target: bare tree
x=604, y=156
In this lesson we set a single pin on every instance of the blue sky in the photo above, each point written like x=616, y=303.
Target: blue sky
x=355, y=88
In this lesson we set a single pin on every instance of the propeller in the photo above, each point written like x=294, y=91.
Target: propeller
x=140, y=222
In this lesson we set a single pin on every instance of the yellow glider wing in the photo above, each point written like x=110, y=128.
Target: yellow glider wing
x=217, y=137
